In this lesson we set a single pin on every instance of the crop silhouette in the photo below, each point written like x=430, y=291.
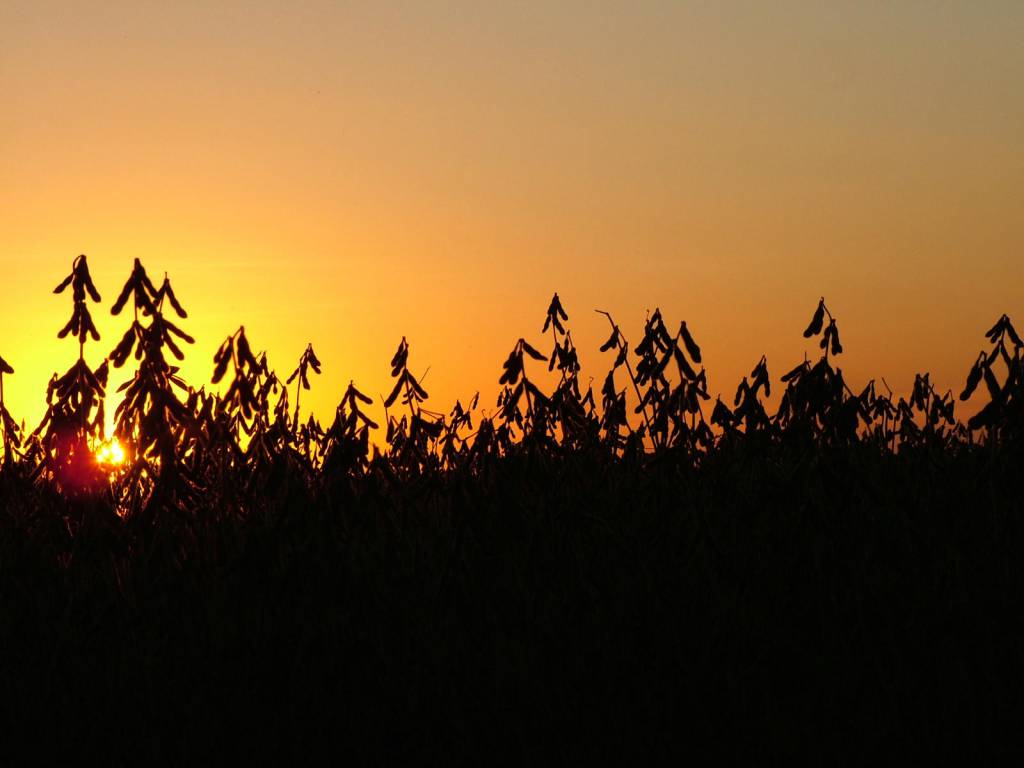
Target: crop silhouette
x=75, y=401
x=172, y=429
x=12, y=435
x=1002, y=416
x=151, y=418
x=568, y=565
x=307, y=362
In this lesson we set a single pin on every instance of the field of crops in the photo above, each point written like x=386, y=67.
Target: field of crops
x=625, y=574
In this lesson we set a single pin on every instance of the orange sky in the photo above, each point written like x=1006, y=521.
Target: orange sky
x=346, y=174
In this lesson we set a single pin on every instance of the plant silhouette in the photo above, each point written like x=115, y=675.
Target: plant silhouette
x=75, y=401
x=183, y=442
x=12, y=434
x=792, y=561
x=151, y=418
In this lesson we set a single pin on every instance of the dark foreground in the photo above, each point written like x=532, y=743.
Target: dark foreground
x=837, y=606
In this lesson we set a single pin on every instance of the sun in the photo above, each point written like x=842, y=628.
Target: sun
x=110, y=453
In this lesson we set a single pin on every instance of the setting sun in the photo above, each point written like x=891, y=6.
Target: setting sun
x=110, y=453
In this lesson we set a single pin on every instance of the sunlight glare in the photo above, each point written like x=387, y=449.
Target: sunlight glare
x=110, y=453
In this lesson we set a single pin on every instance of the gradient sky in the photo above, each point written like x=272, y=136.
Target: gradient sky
x=346, y=173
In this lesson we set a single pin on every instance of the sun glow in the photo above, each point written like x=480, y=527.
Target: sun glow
x=110, y=453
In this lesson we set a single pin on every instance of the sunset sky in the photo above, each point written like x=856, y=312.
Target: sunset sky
x=345, y=173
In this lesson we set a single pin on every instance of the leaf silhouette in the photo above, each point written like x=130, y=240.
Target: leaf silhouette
x=531, y=351
x=691, y=346
x=817, y=321
x=973, y=379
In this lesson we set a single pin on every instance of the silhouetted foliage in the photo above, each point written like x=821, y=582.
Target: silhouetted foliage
x=633, y=572
x=12, y=433
x=75, y=413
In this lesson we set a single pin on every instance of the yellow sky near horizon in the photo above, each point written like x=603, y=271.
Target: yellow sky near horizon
x=346, y=174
